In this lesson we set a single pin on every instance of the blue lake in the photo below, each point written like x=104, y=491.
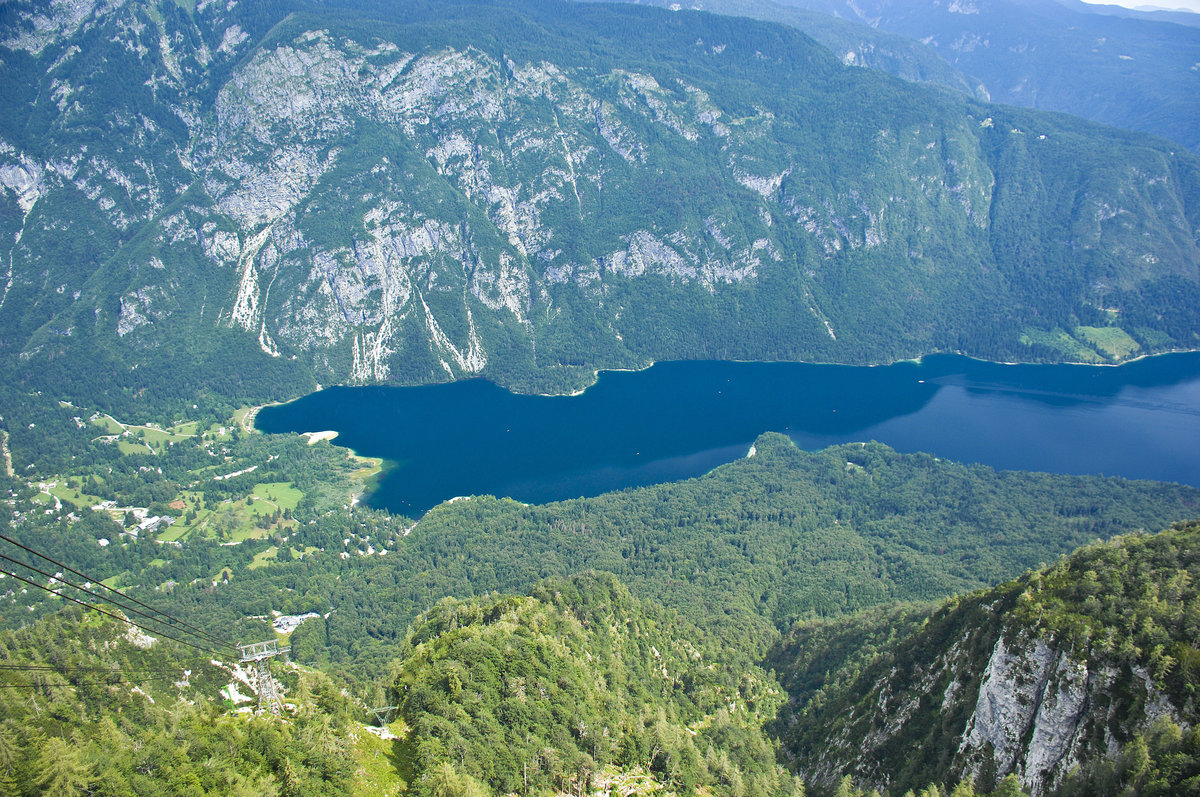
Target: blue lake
x=680, y=419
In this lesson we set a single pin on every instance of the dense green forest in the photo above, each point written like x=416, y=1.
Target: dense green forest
x=574, y=688
x=580, y=681
x=578, y=686
x=90, y=708
x=750, y=547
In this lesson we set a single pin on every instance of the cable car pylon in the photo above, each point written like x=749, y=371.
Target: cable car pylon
x=258, y=654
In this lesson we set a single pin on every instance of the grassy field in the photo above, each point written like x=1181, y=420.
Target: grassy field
x=109, y=424
x=1112, y=341
x=237, y=520
x=158, y=438
x=379, y=765
x=263, y=558
x=248, y=532
x=1058, y=339
x=126, y=447
x=73, y=495
x=277, y=494
x=179, y=531
x=139, y=439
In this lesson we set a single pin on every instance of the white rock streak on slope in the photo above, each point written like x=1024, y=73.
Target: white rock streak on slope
x=245, y=305
x=264, y=338
x=473, y=360
x=26, y=182
x=570, y=164
x=8, y=280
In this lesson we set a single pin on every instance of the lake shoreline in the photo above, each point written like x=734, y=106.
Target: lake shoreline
x=662, y=425
x=917, y=360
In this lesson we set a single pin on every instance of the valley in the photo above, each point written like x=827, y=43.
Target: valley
x=594, y=399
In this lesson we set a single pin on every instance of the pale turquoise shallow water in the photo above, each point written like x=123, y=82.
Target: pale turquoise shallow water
x=677, y=420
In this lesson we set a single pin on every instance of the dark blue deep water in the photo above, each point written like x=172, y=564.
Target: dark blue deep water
x=680, y=419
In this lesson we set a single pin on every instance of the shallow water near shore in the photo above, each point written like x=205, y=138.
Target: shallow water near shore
x=680, y=419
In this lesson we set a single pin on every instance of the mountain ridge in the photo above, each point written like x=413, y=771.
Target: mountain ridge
x=316, y=213
x=1119, y=67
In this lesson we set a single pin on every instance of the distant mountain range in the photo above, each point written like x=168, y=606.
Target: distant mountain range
x=1111, y=65
x=1127, y=68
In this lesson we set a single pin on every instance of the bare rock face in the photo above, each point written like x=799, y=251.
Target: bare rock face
x=1001, y=699
x=282, y=122
x=1029, y=713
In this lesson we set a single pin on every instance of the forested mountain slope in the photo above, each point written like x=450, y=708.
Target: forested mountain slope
x=1079, y=678
x=92, y=707
x=581, y=688
x=242, y=199
x=1075, y=679
x=577, y=686
x=854, y=43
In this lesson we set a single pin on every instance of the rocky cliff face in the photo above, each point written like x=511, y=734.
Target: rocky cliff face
x=511, y=148
x=1034, y=678
x=1042, y=710
x=430, y=195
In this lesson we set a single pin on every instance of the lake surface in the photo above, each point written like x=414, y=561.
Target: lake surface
x=680, y=419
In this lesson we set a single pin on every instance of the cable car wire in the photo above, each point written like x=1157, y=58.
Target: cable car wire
x=110, y=614
x=174, y=620
x=61, y=580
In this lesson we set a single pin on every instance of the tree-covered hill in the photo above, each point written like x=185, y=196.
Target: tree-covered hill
x=245, y=199
x=1074, y=679
x=1078, y=678
x=92, y=707
x=577, y=688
